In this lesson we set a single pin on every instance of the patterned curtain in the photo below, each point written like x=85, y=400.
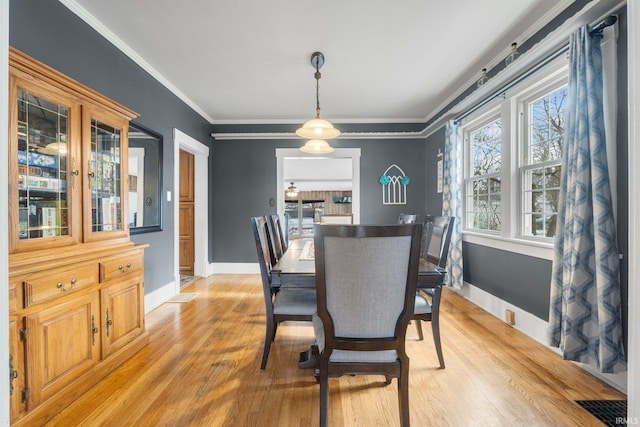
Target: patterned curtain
x=452, y=200
x=585, y=313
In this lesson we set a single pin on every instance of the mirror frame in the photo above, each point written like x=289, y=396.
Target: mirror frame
x=137, y=128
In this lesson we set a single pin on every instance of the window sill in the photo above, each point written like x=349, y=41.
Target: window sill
x=521, y=246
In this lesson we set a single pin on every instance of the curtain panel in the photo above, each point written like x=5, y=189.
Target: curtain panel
x=585, y=316
x=452, y=200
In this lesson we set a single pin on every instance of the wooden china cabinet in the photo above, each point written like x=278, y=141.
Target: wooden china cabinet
x=76, y=281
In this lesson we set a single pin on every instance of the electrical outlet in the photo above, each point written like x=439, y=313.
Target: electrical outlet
x=510, y=317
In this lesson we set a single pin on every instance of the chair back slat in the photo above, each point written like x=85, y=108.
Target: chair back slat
x=275, y=244
x=439, y=240
x=277, y=226
x=260, y=234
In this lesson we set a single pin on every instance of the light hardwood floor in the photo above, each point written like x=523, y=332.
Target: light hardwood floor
x=201, y=368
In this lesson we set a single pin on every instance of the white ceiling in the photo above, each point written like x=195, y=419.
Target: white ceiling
x=248, y=61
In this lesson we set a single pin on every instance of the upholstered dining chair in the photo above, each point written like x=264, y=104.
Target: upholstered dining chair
x=281, y=304
x=366, y=283
x=435, y=249
x=407, y=218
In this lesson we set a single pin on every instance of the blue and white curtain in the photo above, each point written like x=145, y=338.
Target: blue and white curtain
x=452, y=200
x=585, y=315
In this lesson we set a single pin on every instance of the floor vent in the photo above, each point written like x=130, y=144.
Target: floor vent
x=610, y=412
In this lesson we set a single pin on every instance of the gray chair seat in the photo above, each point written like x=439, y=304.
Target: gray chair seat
x=295, y=301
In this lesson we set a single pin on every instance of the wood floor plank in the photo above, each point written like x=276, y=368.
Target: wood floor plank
x=202, y=368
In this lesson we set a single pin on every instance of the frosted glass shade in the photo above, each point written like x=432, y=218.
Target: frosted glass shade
x=317, y=129
x=316, y=146
x=57, y=147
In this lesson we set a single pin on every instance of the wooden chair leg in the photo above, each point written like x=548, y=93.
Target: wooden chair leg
x=324, y=396
x=435, y=325
x=403, y=395
x=419, y=328
x=268, y=339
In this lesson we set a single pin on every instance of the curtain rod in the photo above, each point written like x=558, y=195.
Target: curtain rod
x=611, y=20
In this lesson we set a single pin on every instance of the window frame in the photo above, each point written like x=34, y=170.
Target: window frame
x=490, y=116
x=524, y=99
x=509, y=107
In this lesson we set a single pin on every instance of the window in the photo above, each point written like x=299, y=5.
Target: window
x=513, y=155
x=513, y=160
x=483, y=177
x=542, y=162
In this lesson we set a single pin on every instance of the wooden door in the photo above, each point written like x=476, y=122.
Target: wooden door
x=187, y=199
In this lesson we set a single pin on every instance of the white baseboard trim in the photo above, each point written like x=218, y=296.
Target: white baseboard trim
x=531, y=326
x=233, y=268
x=159, y=296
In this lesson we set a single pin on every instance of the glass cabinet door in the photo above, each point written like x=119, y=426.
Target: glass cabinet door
x=106, y=175
x=45, y=168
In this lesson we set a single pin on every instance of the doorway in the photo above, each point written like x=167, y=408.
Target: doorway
x=186, y=198
x=351, y=154
x=200, y=154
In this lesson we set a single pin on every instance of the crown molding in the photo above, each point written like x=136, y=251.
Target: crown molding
x=221, y=136
x=83, y=14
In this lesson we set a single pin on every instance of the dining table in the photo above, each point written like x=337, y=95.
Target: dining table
x=296, y=269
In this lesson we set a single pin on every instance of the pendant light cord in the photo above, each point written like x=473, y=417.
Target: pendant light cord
x=317, y=75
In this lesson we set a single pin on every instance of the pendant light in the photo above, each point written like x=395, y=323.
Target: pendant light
x=292, y=191
x=317, y=129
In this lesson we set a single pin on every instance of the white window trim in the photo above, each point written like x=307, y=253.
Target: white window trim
x=509, y=239
x=491, y=115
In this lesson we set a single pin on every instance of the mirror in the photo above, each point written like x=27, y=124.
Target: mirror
x=145, y=180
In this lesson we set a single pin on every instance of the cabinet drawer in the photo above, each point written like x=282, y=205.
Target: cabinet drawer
x=121, y=266
x=59, y=282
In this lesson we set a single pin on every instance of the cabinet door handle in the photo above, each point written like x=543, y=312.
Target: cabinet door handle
x=94, y=330
x=90, y=174
x=74, y=174
x=13, y=374
x=109, y=322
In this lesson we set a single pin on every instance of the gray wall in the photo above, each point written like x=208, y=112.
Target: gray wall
x=243, y=174
x=49, y=32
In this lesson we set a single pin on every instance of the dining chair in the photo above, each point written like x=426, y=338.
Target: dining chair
x=274, y=219
x=281, y=304
x=366, y=279
x=427, y=305
x=407, y=218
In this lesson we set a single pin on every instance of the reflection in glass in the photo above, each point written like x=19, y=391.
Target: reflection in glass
x=145, y=180
x=42, y=168
x=105, y=179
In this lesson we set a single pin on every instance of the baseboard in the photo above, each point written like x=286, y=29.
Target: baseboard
x=233, y=268
x=531, y=326
x=158, y=297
